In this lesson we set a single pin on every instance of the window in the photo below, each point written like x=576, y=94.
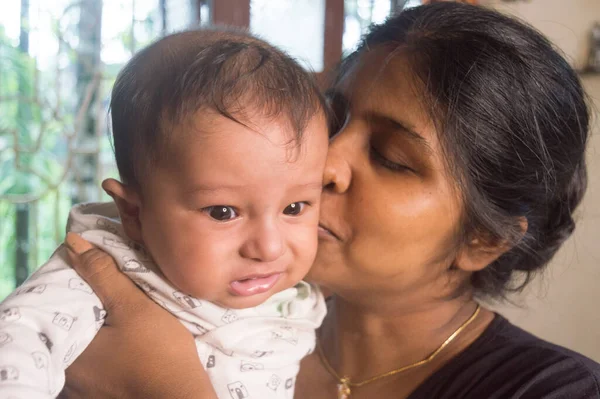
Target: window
x=359, y=15
x=296, y=27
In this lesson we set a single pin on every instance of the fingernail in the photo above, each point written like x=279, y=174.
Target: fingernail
x=77, y=244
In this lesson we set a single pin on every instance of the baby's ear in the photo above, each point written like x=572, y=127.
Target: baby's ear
x=128, y=203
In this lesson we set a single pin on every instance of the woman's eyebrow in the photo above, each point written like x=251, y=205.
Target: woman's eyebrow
x=401, y=128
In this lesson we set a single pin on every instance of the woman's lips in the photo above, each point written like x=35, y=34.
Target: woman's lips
x=253, y=285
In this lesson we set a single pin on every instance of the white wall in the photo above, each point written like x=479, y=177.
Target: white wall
x=566, y=22
x=563, y=305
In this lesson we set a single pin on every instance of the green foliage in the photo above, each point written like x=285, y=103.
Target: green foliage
x=38, y=113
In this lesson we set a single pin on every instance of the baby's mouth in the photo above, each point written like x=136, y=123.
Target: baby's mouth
x=255, y=284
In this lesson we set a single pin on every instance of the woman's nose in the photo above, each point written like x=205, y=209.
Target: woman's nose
x=265, y=243
x=338, y=174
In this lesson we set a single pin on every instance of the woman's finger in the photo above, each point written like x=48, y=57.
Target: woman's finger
x=101, y=272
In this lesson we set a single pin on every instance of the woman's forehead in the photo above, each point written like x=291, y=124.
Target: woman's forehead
x=381, y=62
x=383, y=83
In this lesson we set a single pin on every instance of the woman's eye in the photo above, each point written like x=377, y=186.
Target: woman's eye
x=294, y=209
x=386, y=163
x=221, y=212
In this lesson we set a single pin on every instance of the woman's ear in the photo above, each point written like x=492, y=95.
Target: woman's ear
x=128, y=202
x=479, y=252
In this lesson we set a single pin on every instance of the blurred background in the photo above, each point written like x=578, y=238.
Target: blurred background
x=59, y=59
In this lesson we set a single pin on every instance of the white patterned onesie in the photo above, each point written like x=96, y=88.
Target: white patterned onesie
x=46, y=323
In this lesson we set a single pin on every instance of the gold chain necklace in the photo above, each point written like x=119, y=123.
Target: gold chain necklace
x=345, y=384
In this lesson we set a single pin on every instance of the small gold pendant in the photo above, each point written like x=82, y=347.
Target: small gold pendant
x=344, y=388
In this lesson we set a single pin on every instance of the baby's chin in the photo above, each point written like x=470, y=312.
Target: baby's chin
x=235, y=302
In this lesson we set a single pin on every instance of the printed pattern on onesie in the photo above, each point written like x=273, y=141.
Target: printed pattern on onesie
x=44, y=325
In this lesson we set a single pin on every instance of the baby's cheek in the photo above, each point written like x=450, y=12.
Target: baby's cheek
x=195, y=280
x=305, y=249
x=206, y=267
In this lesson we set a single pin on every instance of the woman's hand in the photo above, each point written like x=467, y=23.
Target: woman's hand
x=142, y=351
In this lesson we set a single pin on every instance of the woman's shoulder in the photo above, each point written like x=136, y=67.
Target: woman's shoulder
x=508, y=362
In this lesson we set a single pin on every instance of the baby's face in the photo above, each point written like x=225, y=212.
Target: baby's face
x=233, y=216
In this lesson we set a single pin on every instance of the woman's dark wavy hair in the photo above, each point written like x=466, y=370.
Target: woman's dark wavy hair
x=513, y=120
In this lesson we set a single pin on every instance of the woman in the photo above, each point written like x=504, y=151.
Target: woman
x=453, y=175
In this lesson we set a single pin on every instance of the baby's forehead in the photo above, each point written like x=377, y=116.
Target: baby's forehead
x=278, y=127
x=225, y=159
x=208, y=144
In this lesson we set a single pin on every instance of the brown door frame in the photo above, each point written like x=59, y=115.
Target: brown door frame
x=231, y=12
x=334, y=32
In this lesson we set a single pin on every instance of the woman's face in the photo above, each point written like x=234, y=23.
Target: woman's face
x=391, y=207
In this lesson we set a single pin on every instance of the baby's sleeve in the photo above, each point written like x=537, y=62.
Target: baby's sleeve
x=44, y=325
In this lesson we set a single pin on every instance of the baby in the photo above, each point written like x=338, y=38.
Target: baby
x=220, y=140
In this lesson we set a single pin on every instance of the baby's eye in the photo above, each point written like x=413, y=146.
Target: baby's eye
x=221, y=212
x=294, y=209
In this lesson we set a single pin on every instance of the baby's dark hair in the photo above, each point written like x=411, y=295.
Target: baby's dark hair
x=224, y=71
x=513, y=121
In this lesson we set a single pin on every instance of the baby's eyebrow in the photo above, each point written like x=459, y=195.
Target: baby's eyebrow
x=211, y=188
